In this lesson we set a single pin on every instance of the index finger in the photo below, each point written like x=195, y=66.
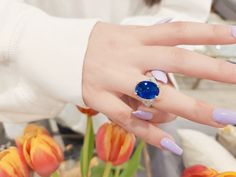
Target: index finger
x=179, y=33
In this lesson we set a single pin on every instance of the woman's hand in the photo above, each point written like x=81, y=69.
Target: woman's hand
x=119, y=57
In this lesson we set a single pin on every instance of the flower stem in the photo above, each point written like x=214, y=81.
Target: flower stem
x=117, y=172
x=86, y=150
x=55, y=174
x=107, y=170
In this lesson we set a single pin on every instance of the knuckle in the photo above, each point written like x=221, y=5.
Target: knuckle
x=147, y=136
x=214, y=31
x=179, y=27
x=178, y=58
x=122, y=117
x=227, y=70
x=200, y=110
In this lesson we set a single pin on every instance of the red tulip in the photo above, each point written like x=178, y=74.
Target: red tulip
x=199, y=171
x=114, y=144
x=11, y=164
x=88, y=111
x=41, y=152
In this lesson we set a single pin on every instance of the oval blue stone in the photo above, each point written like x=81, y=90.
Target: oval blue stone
x=147, y=90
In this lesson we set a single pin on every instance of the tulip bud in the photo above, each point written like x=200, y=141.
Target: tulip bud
x=35, y=129
x=12, y=165
x=114, y=144
x=88, y=111
x=227, y=174
x=199, y=171
x=41, y=152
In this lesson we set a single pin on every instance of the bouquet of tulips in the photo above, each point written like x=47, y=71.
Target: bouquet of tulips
x=37, y=151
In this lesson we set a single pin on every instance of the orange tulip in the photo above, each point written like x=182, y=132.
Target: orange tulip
x=114, y=144
x=41, y=152
x=88, y=111
x=227, y=174
x=199, y=171
x=33, y=128
x=12, y=165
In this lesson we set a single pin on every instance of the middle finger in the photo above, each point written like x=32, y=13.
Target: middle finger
x=177, y=60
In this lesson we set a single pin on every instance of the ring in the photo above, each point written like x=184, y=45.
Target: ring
x=147, y=91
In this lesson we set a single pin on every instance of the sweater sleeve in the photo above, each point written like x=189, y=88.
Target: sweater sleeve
x=41, y=61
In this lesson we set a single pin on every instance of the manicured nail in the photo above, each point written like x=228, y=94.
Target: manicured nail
x=164, y=20
x=233, y=31
x=144, y=115
x=232, y=61
x=224, y=116
x=171, y=146
x=160, y=76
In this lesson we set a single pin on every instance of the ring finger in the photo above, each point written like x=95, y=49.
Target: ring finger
x=175, y=102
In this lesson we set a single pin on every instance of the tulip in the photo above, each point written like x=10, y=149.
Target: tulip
x=33, y=128
x=12, y=164
x=114, y=144
x=227, y=174
x=199, y=171
x=41, y=152
x=88, y=111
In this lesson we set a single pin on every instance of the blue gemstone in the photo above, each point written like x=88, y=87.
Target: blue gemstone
x=147, y=90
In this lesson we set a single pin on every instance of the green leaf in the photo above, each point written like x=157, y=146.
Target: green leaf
x=98, y=170
x=133, y=164
x=87, y=150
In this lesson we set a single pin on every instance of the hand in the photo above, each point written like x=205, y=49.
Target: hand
x=118, y=57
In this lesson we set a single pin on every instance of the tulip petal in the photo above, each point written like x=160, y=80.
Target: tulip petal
x=6, y=170
x=11, y=164
x=50, y=142
x=43, y=159
x=103, y=141
x=199, y=171
x=116, y=143
x=35, y=129
x=227, y=174
x=26, y=150
x=126, y=149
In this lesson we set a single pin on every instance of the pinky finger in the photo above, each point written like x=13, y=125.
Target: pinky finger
x=121, y=114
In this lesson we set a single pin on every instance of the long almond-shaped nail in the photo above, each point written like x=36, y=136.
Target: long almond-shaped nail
x=171, y=146
x=224, y=116
x=233, y=31
x=144, y=115
x=233, y=61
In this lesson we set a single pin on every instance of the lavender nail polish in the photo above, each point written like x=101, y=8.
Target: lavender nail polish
x=233, y=31
x=144, y=115
x=224, y=116
x=160, y=76
x=171, y=146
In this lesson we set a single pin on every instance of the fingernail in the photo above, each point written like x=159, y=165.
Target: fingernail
x=160, y=76
x=224, y=116
x=164, y=20
x=144, y=115
x=233, y=31
x=232, y=61
x=171, y=146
